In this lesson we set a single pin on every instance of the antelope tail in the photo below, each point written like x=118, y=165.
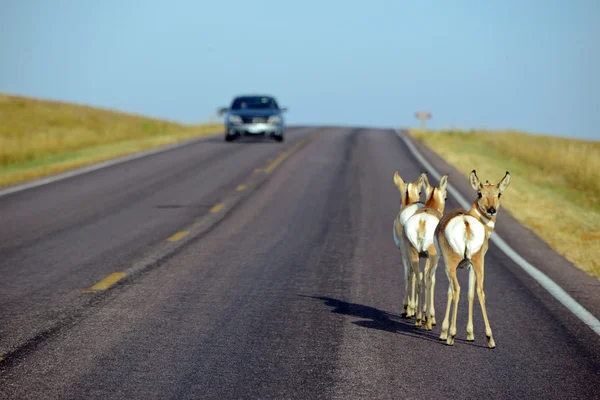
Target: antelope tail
x=466, y=261
x=415, y=231
x=421, y=240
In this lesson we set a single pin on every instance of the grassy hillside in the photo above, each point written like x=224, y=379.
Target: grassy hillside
x=555, y=185
x=41, y=137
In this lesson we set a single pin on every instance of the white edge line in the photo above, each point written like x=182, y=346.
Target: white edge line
x=100, y=165
x=556, y=291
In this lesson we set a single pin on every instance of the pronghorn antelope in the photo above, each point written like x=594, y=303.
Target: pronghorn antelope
x=462, y=239
x=418, y=235
x=410, y=195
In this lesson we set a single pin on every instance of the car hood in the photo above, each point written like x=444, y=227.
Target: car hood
x=254, y=113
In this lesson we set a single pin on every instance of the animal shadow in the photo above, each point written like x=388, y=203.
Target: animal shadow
x=373, y=318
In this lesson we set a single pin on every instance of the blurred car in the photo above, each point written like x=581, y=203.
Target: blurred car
x=254, y=115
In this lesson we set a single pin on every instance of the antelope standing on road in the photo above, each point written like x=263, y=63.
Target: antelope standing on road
x=462, y=239
x=418, y=237
x=410, y=196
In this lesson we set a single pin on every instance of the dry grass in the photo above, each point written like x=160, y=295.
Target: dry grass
x=41, y=137
x=555, y=185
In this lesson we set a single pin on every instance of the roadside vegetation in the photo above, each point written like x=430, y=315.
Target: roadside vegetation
x=555, y=185
x=41, y=137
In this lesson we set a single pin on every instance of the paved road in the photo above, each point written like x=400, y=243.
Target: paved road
x=295, y=293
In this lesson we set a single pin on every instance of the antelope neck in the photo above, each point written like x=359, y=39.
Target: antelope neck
x=488, y=222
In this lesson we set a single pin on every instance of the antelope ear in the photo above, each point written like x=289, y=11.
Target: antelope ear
x=424, y=181
x=399, y=182
x=475, y=183
x=444, y=183
x=503, y=184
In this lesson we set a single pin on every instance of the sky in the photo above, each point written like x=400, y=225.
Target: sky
x=529, y=65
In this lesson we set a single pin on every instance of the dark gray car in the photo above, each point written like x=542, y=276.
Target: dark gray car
x=254, y=115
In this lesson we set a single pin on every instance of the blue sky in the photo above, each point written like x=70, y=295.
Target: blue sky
x=530, y=65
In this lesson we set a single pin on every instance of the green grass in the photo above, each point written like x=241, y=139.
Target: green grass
x=554, y=189
x=42, y=137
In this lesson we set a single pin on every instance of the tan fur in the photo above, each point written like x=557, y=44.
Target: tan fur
x=421, y=226
x=488, y=200
x=410, y=193
x=446, y=219
x=434, y=207
x=468, y=230
x=436, y=198
x=430, y=211
x=398, y=227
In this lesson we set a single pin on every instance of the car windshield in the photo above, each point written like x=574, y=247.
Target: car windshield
x=257, y=102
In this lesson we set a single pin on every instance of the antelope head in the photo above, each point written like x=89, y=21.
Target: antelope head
x=488, y=195
x=410, y=192
x=435, y=197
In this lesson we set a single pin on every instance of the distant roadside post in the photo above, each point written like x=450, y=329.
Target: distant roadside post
x=423, y=116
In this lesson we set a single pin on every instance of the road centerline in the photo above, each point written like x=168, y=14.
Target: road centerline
x=106, y=283
x=216, y=208
x=178, y=236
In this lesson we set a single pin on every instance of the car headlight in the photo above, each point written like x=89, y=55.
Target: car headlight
x=235, y=119
x=274, y=119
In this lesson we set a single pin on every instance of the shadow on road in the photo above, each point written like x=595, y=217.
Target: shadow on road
x=374, y=318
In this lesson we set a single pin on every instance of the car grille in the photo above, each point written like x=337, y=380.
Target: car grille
x=254, y=120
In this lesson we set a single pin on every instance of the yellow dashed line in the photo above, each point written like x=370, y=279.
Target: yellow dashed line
x=283, y=156
x=177, y=236
x=117, y=276
x=275, y=163
x=216, y=208
x=105, y=283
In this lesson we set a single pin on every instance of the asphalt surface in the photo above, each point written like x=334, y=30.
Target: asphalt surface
x=294, y=294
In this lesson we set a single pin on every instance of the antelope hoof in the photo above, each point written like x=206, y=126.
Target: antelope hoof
x=491, y=343
x=427, y=324
x=450, y=341
x=405, y=311
x=418, y=324
x=444, y=335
